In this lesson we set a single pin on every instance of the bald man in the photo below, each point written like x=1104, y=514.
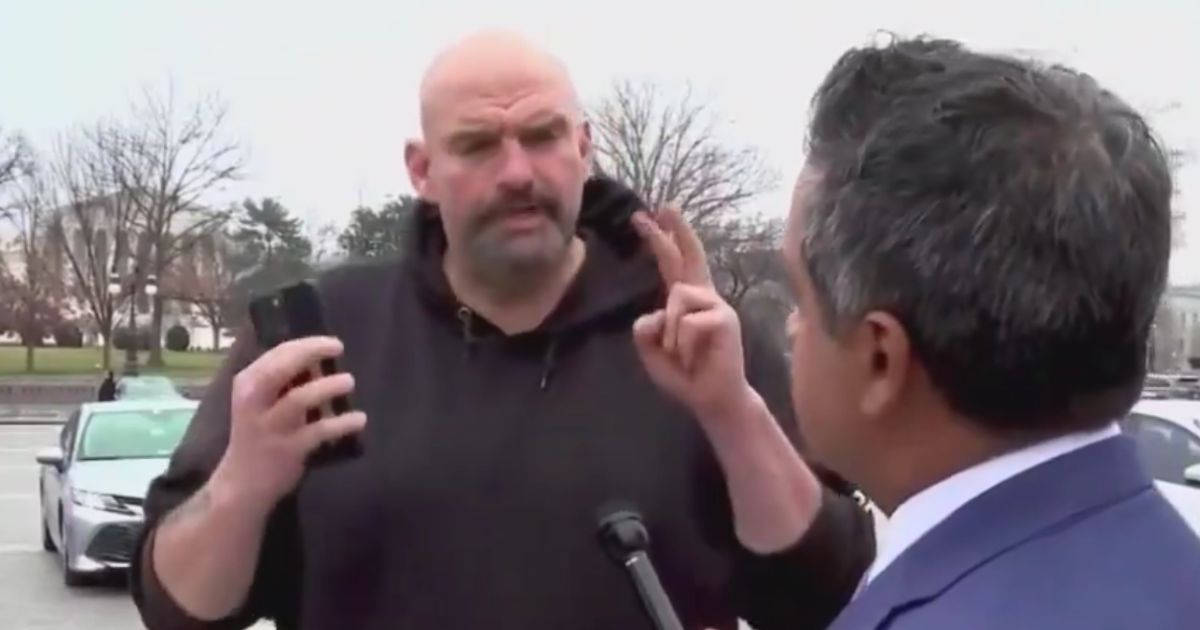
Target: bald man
x=542, y=350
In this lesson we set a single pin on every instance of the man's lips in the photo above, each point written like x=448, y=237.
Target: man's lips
x=523, y=217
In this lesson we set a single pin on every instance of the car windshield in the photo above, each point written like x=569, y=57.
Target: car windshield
x=144, y=433
x=142, y=387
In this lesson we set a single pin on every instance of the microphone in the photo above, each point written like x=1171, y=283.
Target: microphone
x=625, y=539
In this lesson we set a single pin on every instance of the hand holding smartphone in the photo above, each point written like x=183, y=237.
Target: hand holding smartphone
x=294, y=312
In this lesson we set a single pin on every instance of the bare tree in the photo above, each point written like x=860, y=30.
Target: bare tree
x=32, y=286
x=14, y=153
x=669, y=152
x=167, y=160
x=324, y=239
x=204, y=278
x=91, y=228
x=744, y=255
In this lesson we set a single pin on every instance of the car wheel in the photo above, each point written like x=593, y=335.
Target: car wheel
x=47, y=541
x=71, y=577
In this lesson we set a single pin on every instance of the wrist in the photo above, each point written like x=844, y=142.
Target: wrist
x=740, y=428
x=231, y=496
x=741, y=409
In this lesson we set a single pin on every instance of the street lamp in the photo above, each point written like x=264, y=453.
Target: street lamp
x=117, y=289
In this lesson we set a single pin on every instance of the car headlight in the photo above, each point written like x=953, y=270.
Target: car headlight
x=98, y=501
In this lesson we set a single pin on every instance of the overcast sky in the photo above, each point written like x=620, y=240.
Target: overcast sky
x=323, y=94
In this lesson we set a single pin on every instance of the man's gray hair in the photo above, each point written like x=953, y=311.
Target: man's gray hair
x=1014, y=217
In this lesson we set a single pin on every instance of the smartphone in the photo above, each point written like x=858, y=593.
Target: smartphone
x=294, y=312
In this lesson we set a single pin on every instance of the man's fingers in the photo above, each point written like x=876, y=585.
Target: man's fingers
x=693, y=259
x=330, y=429
x=684, y=299
x=291, y=410
x=696, y=331
x=648, y=330
x=666, y=252
x=647, y=337
x=260, y=383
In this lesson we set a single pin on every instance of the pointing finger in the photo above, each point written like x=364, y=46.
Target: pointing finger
x=666, y=252
x=693, y=259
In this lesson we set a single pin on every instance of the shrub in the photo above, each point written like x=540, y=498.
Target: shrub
x=178, y=338
x=121, y=339
x=68, y=335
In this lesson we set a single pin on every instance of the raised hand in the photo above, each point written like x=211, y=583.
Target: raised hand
x=692, y=348
x=270, y=436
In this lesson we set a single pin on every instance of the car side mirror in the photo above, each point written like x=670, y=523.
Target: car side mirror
x=50, y=456
x=1191, y=475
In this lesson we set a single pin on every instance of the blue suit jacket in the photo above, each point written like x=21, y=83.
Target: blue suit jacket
x=1083, y=541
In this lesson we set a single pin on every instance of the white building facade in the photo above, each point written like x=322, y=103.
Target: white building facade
x=1177, y=331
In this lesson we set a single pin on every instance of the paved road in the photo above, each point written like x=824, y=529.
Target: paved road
x=32, y=594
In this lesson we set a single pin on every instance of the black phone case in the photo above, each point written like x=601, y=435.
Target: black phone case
x=293, y=312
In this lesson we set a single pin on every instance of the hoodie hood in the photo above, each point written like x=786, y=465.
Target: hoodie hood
x=618, y=280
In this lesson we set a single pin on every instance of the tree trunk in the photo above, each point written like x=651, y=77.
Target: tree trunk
x=156, y=357
x=216, y=332
x=106, y=360
x=29, y=356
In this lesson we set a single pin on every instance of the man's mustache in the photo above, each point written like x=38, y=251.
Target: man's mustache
x=514, y=204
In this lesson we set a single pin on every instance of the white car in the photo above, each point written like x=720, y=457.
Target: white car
x=94, y=481
x=1167, y=433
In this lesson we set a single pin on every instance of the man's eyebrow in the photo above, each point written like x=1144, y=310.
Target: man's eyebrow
x=470, y=133
x=544, y=120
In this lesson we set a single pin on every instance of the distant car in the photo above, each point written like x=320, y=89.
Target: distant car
x=1188, y=385
x=93, y=483
x=1157, y=388
x=146, y=387
x=1177, y=386
x=1167, y=433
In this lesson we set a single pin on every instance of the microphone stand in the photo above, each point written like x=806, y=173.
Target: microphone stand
x=625, y=539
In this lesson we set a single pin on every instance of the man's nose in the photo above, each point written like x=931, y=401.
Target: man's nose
x=516, y=170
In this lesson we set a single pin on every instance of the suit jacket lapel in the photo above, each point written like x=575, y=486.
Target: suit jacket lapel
x=1068, y=487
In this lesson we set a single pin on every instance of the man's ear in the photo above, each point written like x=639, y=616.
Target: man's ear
x=884, y=348
x=416, y=159
x=585, y=144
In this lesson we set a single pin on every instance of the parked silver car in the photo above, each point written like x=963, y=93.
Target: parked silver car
x=93, y=482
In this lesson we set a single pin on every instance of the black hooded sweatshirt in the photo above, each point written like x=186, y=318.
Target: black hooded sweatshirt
x=488, y=458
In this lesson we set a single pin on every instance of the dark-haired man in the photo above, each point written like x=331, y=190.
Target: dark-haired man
x=978, y=244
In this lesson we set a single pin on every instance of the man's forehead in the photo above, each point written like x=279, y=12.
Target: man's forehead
x=532, y=105
x=491, y=76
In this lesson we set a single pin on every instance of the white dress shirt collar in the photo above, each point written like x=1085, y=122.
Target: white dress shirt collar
x=923, y=511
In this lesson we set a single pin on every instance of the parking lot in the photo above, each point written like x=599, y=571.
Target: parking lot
x=32, y=593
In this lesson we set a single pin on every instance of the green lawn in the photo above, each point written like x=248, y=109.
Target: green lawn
x=53, y=361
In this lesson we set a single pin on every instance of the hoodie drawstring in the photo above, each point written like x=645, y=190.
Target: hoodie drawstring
x=548, y=363
x=466, y=317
